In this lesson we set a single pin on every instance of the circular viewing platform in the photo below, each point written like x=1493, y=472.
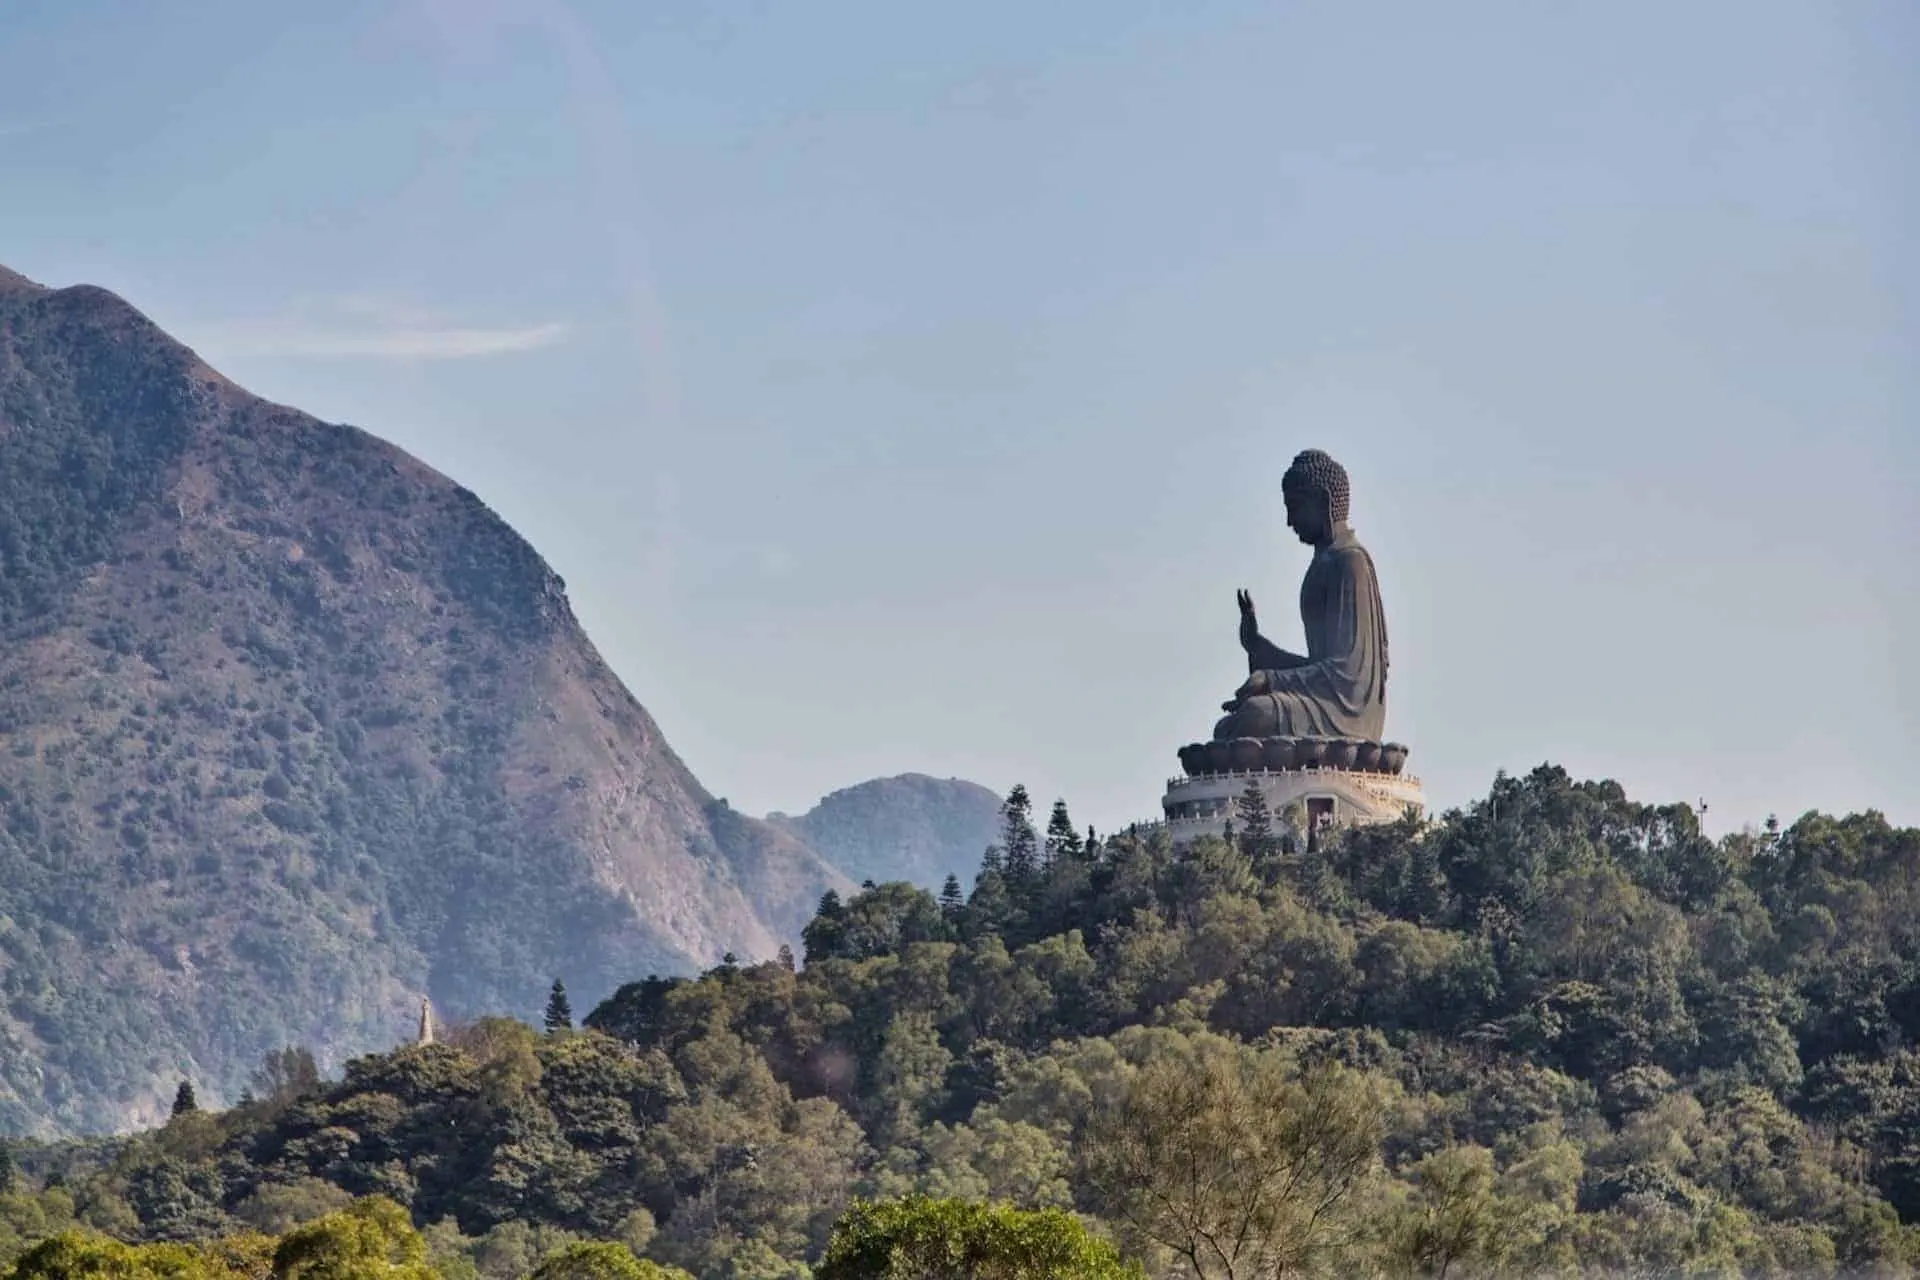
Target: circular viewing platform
x=1310, y=784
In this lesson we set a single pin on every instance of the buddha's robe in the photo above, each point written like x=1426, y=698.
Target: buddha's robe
x=1340, y=691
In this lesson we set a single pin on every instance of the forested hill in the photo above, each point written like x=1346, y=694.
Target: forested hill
x=1555, y=1030
x=293, y=729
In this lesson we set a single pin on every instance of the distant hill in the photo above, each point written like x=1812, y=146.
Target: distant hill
x=910, y=827
x=294, y=729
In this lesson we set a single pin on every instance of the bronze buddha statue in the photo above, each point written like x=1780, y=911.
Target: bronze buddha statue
x=1338, y=688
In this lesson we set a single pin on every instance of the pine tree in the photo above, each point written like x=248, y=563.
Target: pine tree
x=952, y=900
x=786, y=957
x=1426, y=883
x=559, y=1009
x=183, y=1099
x=1063, y=838
x=1257, y=840
x=1019, y=842
x=7, y=1171
x=826, y=933
x=989, y=909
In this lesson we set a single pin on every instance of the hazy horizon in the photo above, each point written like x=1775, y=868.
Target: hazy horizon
x=909, y=392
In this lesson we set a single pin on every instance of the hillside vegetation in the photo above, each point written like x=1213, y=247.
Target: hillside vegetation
x=294, y=730
x=1557, y=1031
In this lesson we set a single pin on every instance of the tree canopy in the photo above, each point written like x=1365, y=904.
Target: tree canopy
x=1555, y=1029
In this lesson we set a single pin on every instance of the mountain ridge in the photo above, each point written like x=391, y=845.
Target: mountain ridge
x=910, y=826
x=293, y=729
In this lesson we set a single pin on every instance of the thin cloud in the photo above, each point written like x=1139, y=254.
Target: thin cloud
x=369, y=327
x=396, y=344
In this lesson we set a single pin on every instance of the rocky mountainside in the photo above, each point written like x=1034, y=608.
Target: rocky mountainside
x=293, y=730
x=912, y=828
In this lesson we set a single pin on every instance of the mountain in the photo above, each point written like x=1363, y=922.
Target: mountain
x=293, y=730
x=911, y=827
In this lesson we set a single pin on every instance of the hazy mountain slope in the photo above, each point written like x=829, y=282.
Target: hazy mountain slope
x=292, y=729
x=911, y=827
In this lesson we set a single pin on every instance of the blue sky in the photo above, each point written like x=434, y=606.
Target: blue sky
x=907, y=387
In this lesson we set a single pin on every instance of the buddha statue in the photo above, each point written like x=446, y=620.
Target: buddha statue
x=1338, y=688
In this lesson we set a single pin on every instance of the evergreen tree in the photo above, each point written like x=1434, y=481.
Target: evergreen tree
x=1063, y=838
x=7, y=1171
x=952, y=900
x=1257, y=840
x=786, y=957
x=183, y=1099
x=827, y=931
x=989, y=910
x=1426, y=885
x=559, y=1010
x=1019, y=842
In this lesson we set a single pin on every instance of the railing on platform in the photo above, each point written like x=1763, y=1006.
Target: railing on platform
x=1312, y=770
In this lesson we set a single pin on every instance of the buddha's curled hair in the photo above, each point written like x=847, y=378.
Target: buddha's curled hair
x=1313, y=469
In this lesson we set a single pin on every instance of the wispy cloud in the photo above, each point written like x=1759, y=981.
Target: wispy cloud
x=370, y=327
x=393, y=344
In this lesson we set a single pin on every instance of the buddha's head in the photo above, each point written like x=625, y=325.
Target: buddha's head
x=1315, y=489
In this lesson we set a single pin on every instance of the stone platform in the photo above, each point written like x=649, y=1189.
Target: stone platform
x=1303, y=790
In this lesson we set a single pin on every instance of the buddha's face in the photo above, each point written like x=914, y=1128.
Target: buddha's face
x=1309, y=514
